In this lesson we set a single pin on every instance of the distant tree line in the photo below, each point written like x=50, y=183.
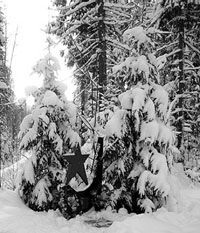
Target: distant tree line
x=11, y=113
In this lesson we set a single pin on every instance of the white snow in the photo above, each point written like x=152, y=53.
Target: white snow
x=73, y=137
x=40, y=192
x=30, y=90
x=43, y=63
x=139, y=96
x=28, y=169
x=51, y=99
x=145, y=154
x=28, y=137
x=26, y=124
x=3, y=85
x=147, y=204
x=136, y=64
x=147, y=133
x=58, y=140
x=143, y=66
x=126, y=100
x=60, y=86
x=10, y=175
x=161, y=97
x=72, y=112
x=165, y=134
x=138, y=33
x=15, y=217
x=159, y=163
x=116, y=124
x=52, y=130
x=149, y=108
x=143, y=179
x=193, y=174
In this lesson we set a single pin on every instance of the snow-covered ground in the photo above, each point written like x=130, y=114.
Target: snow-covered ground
x=15, y=217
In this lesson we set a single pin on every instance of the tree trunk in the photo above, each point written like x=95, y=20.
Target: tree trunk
x=83, y=97
x=181, y=78
x=0, y=160
x=102, y=50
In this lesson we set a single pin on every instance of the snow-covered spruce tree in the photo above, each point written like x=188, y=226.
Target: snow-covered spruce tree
x=140, y=147
x=47, y=133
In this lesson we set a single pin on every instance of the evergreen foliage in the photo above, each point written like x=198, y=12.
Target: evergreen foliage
x=140, y=149
x=91, y=31
x=122, y=60
x=47, y=133
x=8, y=107
x=180, y=52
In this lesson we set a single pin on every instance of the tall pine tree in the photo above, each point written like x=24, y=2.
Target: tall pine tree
x=92, y=30
x=180, y=51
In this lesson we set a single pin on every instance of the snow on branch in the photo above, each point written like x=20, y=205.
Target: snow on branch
x=115, y=21
x=161, y=98
x=138, y=33
x=143, y=179
x=171, y=106
x=136, y=64
x=72, y=28
x=147, y=133
x=41, y=192
x=77, y=7
x=51, y=99
x=161, y=60
x=121, y=6
x=147, y=205
x=192, y=68
x=166, y=46
x=48, y=64
x=192, y=47
x=116, y=125
x=3, y=85
x=117, y=43
x=153, y=30
x=117, y=11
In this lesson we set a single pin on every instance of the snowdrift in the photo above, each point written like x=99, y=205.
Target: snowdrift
x=15, y=217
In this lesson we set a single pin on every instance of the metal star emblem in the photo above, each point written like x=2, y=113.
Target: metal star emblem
x=76, y=165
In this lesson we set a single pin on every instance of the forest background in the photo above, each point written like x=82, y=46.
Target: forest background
x=119, y=50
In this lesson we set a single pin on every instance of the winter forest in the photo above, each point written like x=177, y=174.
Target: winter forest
x=124, y=155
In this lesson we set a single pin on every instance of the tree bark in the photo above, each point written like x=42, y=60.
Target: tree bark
x=102, y=50
x=0, y=160
x=83, y=97
x=181, y=78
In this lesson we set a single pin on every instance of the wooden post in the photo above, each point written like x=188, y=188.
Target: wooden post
x=99, y=171
x=88, y=196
